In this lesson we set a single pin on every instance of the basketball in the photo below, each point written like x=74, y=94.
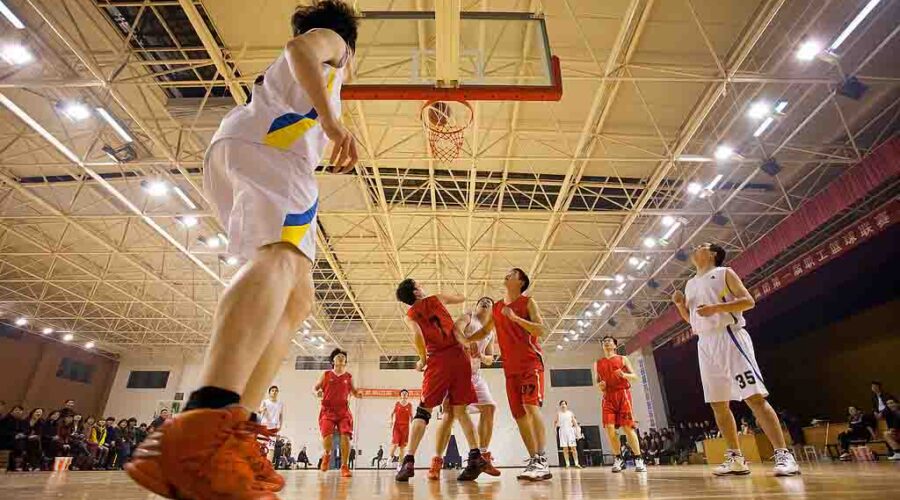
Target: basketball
x=439, y=113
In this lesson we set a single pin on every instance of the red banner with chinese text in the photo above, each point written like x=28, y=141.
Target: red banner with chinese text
x=388, y=393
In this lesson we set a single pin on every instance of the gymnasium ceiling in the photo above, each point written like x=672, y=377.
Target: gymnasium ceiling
x=567, y=191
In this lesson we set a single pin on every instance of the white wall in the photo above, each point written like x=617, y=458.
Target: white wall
x=371, y=415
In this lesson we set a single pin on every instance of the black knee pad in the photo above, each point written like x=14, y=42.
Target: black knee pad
x=423, y=414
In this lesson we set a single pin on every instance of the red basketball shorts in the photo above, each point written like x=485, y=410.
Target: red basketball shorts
x=331, y=419
x=617, y=408
x=525, y=388
x=400, y=435
x=448, y=375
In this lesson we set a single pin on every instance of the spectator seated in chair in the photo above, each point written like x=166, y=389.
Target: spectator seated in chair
x=862, y=428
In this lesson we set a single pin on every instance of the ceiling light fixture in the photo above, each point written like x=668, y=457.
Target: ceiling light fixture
x=694, y=188
x=763, y=126
x=634, y=261
x=694, y=158
x=16, y=54
x=668, y=220
x=808, y=50
x=222, y=238
x=157, y=188
x=120, y=130
x=184, y=197
x=724, y=152
x=231, y=260
x=11, y=16
x=68, y=337
x=211, y=242
x=781, y=106
x=619, y=278
x=649, y=242
x=21, y=322
x=759, y=110
x=47, y=331
x=37, y=127
x=708, y=190
x=607, y=292
x=853, y=24
x=75, y=111
x=187, y=220
x=89, y=344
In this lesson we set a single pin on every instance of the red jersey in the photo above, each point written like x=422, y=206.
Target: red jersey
x=336, y=390
x=402, y=414
x=520, y=350
x=436, y=324
x=606, y=370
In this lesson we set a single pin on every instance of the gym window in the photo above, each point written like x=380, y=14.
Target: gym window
x=576, y=377
x=75, y=371
x=138, y=379
x=312, y=363
x=397, y=362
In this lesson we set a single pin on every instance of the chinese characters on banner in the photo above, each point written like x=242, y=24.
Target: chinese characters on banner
x=848, y=238
x=646, y=384
x=388, y=393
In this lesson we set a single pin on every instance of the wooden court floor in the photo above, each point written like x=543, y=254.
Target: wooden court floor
x=827, y=481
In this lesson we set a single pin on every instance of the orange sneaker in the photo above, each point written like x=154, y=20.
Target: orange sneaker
x=200, y=454
x=434, y=472
x=326, y=457
x=345, y=472
x=263, y=470
x=490, y=469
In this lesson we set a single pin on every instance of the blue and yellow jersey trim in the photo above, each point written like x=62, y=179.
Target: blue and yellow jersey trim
x=287, y=128
x=296, y=225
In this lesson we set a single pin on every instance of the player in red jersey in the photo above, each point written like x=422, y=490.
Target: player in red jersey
x=614, y=373
x=334, y=389
x=448, y=372
x=519, y=326
x=400, y=418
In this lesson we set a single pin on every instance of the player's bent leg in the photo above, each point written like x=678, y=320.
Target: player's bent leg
x=299, y=306
x=248, y=314
x=785, y=463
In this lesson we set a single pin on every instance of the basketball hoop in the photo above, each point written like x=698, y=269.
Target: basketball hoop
x=445, y=123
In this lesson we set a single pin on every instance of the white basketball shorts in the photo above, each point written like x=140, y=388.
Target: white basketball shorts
x=482, y=390
x=262, y=195
x=728, y=367
x=567, y=437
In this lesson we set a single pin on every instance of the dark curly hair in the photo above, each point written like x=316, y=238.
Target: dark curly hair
x=330, y=14
x=406, y=291
x=335, y=353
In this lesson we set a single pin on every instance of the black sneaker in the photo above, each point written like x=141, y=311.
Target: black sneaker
x=407, y=469
x=475, y=465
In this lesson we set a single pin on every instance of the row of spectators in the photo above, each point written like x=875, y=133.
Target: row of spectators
x=36, y=438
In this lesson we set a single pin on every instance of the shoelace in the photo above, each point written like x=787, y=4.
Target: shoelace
x=781, y=458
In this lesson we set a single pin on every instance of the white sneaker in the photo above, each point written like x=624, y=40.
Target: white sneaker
x=541, y=469
x=618, y=465
x=785, y=463
x=529, y=467
x=734, y=464
x=639, y=465
x=895, y=456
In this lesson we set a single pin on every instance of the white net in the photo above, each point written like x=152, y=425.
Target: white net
x=445, y=123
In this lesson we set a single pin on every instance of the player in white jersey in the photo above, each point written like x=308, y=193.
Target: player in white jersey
x=258, y=174
x=271, y=416
x=713, y=303
x=480, y=351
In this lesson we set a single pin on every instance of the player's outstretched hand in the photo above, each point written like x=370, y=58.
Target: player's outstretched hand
x=343, y=153
x=678, y=297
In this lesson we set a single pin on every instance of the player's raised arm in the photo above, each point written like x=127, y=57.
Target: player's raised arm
x=535, y=326
x=451, y=298
x=483, y=332
x=306, y=53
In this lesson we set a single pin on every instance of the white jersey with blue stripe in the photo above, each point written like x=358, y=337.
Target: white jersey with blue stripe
x=710, y=288
x=280, y=113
